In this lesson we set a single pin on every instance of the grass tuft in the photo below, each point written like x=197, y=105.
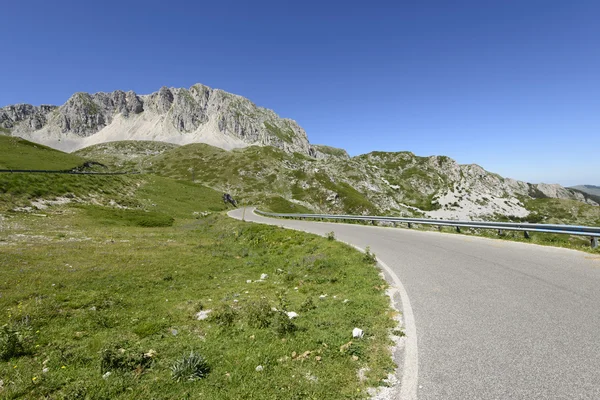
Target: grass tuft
x=191, y=367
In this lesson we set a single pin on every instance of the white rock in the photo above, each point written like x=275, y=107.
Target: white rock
x=357, y=333
x=345, y=301
x=45, y=370
x=322, y=296
x=259, y=368
x=106, y=375
x=249, y=281
x=202, y=314
x=292, y=314
x=264, y=276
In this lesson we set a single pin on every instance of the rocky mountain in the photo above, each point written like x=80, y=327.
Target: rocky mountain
x=590, y=189
x=270, y=157
x=175, y=115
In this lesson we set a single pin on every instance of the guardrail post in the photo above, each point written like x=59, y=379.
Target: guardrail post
x=409, y=225
x=594, y=242
x=526, y=234
x=439, y=228
x=458, y=229
x=500, y=232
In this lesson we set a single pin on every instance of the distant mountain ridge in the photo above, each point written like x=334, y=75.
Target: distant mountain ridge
x=319, y=177
x=196, y=115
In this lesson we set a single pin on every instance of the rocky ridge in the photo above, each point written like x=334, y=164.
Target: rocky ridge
x=175, y=115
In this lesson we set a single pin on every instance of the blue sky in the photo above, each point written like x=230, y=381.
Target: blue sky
x=510, y=85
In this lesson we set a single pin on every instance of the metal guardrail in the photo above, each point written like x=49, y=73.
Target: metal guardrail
x=70, y=172
x=592, y=232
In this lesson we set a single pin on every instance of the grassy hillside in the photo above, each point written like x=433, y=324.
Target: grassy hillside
x=104, y=280
x=16, y=153
x=256, y=173
x=125, y=155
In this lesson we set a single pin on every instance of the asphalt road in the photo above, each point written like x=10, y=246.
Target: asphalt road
x=494, y=319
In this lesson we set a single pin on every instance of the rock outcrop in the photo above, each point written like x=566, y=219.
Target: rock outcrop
x=196, y=115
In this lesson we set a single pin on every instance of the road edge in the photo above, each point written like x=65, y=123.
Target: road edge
x=410, y=367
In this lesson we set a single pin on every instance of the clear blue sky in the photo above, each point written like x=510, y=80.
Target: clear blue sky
x=512, y=85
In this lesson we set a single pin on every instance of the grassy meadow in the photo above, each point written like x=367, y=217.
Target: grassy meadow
x=129, y=287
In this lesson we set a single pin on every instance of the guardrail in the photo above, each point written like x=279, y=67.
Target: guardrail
x=592, y=232
x=43, y=171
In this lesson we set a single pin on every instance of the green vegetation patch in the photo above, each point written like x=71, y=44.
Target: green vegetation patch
x=117, y=311
x=280, y=205
x=14, y=188
x=128, y=217
x=286, y=134
x=17, y=153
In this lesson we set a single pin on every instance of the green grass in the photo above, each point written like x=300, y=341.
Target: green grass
x=127, y=217
x=126, y=155
x=103, y=299
x=281, y=205
x=17, y=153
x=97, y=297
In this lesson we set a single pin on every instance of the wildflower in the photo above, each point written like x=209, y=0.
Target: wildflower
x=63, y=367
x=34, y=378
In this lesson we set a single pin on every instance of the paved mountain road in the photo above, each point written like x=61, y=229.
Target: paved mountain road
x=494, y=319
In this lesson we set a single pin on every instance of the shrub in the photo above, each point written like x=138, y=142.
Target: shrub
x=331, y=235
x=11, y=343
x=308, y=304
x=190, y=368
x=116, y=357
x=283, y=325
x=224, y=316
x=369, y=257
x=259, y=314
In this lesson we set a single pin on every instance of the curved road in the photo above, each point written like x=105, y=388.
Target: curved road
x=494, y=319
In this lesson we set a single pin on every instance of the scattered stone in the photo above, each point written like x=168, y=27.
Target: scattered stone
x=345, y=301
x=259, y=368
x=292, y=314
x=45, y=370
x=362, y=373
x=263, y=276
x=150, y=354
x=322, y=296
x=202, y=314
x=174, y=332
x=354, y=358
x=357, y=333
x=106, y=375
x=248, y=280
x=318, y=358
x=302, y=356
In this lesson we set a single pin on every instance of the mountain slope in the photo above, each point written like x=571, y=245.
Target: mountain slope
x=195, y=115
x=374, y=183
x=16, y=153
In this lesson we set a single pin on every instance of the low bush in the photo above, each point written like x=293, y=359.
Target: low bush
x=190, y=368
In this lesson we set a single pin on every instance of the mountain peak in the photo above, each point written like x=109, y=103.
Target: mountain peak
x=199, y=114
